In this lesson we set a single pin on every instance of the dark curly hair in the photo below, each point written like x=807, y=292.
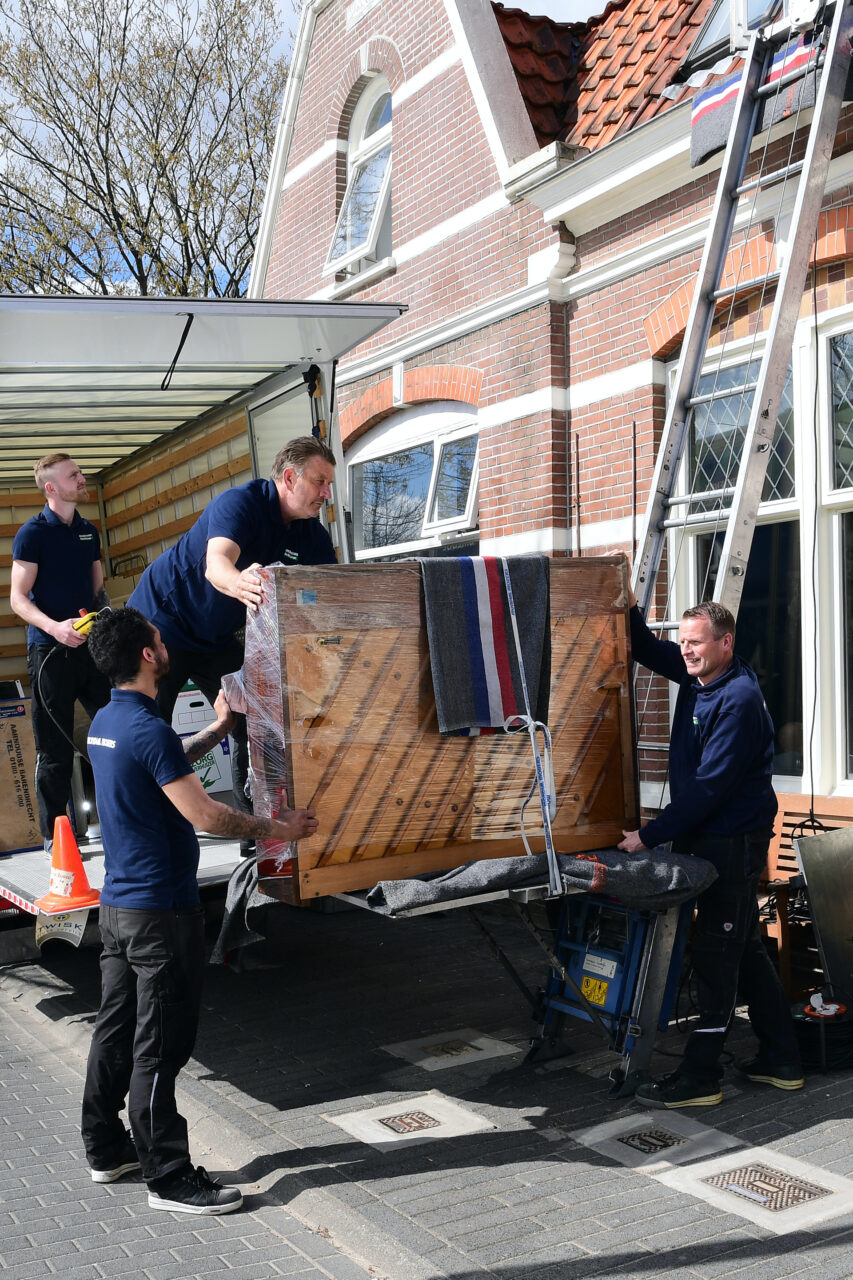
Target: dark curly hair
x=116, y=642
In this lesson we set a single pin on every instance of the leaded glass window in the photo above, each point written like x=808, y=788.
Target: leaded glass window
x=716, y=441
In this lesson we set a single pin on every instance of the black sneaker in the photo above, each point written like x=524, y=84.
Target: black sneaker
x=762, y=1072
x=679, y=1091
x=125, y=1162
x=194, y=1192
x=248, y=848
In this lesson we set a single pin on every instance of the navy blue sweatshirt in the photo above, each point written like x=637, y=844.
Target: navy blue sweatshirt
x=720, y=747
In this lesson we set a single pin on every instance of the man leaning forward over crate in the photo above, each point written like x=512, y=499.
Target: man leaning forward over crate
x=722, y=808
x=151, y=921
x=198, y=591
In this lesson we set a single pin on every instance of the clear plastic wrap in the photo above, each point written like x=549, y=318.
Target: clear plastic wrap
x=342, y=720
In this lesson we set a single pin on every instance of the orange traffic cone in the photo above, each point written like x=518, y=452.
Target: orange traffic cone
x=69, y=887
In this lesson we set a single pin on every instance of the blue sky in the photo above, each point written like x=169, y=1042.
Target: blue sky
x=561, y=10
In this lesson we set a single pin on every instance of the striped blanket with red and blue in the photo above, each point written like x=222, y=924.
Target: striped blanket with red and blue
x=473, y=653
x=713, y=108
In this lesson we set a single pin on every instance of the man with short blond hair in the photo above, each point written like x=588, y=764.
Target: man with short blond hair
x=56, y=573
x=721, y=808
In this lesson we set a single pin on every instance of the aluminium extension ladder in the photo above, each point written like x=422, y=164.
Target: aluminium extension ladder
x=830, y=41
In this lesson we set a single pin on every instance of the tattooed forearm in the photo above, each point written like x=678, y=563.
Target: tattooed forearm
x=240, y=826
x=200, y=743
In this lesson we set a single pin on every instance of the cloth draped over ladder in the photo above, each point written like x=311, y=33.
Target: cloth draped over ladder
x=713, y=108
x=473, y=653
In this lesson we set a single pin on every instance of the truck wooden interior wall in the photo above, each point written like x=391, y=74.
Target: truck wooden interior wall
x=140, y=507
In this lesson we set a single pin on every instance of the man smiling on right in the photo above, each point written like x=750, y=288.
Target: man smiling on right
x=722, y=809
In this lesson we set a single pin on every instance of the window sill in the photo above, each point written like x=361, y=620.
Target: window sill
x=379, y=270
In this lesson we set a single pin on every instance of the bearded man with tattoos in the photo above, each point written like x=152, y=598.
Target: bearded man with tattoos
x=152, y=926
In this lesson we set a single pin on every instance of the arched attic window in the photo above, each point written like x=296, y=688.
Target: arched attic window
x=363, y=230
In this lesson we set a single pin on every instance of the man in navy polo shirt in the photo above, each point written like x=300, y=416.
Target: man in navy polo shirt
x=56, y=573
x=198, y=591
x=152, y=926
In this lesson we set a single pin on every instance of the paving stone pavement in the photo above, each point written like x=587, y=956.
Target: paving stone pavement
x=294, y=1039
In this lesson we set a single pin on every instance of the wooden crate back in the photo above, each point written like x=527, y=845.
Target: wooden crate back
x=349, y=676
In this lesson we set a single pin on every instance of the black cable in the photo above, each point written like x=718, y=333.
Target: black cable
x=43, y=704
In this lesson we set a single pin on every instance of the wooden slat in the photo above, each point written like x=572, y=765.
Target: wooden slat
x=29, y=498
x=203, y=443
x=13, y=650
x=177, y=491
x=360, y=742
x=147, y=539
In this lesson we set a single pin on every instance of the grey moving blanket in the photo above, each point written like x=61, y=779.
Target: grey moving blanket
x=241, y=896
x=653, y=880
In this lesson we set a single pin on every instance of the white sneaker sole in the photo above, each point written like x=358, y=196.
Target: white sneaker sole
x=177, y=1206
x=113, y=1175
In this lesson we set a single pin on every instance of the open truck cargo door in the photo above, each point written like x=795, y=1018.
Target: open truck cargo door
x=143, y=392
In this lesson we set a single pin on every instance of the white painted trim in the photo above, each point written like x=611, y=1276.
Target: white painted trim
x=430, y=239
x=597, y=536
x=452, y=226
x=607, y=533
x=619, y=382
x=526, y=406
x=419, y=81
x=531, y=542
x=445, y=331
x=331, y=147
x=650, y=162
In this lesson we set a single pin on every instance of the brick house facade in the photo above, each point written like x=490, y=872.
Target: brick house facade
x=543, y=227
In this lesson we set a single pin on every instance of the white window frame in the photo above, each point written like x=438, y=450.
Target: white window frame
x=431, y=424
x=831, y=723
x=360, y=151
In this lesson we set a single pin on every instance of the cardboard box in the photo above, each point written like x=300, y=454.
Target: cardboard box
x=342, y=720
x=192, y=712
x=19, y=825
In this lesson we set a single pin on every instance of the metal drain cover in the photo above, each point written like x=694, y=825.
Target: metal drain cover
x=453, y=1048
x=772, y=1189
x=410, y=1122
x=651, y=1141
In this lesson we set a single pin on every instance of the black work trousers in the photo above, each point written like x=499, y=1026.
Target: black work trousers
x=152, y=970
x=59, y=677
x=206, y=671
x=729, y=958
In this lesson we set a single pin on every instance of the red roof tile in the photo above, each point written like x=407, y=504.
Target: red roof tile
x=574, y=76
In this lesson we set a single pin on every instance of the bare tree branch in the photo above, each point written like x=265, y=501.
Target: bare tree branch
x=134, y=142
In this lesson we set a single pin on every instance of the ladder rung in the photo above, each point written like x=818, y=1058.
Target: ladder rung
x=790, y=77
x=682, y=499
x=730, y=292
x=722, y=393
x=768, y=179
x=699, y=517
x=653, y=746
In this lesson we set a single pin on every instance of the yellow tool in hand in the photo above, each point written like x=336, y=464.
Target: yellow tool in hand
x=85, y=622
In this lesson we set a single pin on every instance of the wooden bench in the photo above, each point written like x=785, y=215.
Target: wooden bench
x=793, y=822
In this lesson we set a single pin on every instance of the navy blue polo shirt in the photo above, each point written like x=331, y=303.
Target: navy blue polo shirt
x=173, y=592
x=64, y=554
x=150, y=849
